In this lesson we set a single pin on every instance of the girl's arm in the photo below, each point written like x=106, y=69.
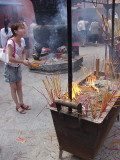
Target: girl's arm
x=12, y=59
x=25, y=62
x=24, y=55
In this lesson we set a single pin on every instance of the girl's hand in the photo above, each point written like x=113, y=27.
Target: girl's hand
x=26, y=62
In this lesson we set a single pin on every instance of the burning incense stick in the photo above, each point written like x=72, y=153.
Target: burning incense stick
x=41, y=110
x=105, y=32
x=54, y=85
x=48, y=91
x=118, y=26
x=42, y=94
x=105, y=26
x=113, y=94
x=90, y=105
x=96, y=105
x=97, y=69
x=57, y=84
x=50, y=86
x=104, y=22
x=116, y=30
x=97, y=12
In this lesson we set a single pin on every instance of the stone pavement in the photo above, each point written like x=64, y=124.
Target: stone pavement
x=41, y=141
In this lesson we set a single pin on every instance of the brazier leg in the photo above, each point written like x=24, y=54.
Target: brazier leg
x=60, y=153
x=118, y=117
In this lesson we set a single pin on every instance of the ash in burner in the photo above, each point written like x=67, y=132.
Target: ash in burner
x=51, y=56
x=99, y=86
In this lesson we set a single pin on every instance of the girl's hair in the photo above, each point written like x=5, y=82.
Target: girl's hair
x=15, y=27
x=6, y=22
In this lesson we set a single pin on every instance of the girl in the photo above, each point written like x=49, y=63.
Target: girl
x=5, y=32
x=12, y=72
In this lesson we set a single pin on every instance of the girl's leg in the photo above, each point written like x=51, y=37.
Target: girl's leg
x=14, y=96
x=20, y=95
x=19, y=91
x=14, y=93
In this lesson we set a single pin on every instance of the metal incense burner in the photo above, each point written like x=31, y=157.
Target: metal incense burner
x=81, y=136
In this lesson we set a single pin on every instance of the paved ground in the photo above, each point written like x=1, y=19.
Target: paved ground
x=37, y=131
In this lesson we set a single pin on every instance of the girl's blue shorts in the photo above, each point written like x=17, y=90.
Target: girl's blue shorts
x=12, y=74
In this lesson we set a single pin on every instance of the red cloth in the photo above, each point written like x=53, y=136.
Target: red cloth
x=75, y=44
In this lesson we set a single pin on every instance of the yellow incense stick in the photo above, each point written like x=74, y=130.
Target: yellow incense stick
x=118, y=26
x=96, y=105
x=50, y=86
x=57, y=84
x=97, y=12
x=114, y=72
x=48, y=91
x=104, y=22
x=116, y=30
x=105, y=32
x=90, y=105
x=53, y=84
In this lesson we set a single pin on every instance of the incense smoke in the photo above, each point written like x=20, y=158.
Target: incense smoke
x=54, y=33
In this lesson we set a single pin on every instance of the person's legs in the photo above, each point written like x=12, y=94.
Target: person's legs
x=13, y=93
x=83, y=38
x=19, y=91
x=92, y=38
x=79, y=37
x=20, y=95
x=14, y=96
x=96, y=40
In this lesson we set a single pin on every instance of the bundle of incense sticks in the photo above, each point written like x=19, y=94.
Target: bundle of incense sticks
x=106, y=27
x=82, y=94
x=110, y=71
x=105, y=23
x=109, y=98
x=53, y=87
x=105, y=99
x=96, y=105
x=34, y=65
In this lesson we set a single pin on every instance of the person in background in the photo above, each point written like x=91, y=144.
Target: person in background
x=82, y=31
x=12, y=70
x=94, y=30
x=26, y=37
x=5, y=32
x=31, y=33
x=0, y=38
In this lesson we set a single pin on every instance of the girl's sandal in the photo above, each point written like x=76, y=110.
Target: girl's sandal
x=25, y=107
x=20, y=110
